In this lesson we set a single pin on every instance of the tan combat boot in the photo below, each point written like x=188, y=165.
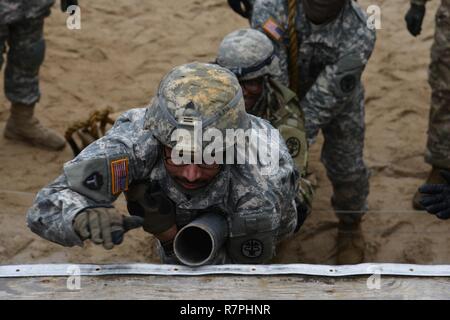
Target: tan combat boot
x=23, y=126
x=434, y=178
x=350, y=243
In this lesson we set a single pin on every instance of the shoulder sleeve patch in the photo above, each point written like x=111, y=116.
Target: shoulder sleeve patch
x=348, y=83
x=100, y=179
x=349, y=72
x=89, y=178
x=273, y=29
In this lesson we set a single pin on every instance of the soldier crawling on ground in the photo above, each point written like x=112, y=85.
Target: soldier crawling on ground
x=137, y=157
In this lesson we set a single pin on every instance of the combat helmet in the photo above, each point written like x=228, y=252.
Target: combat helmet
x=196, y=96
x=249, y=54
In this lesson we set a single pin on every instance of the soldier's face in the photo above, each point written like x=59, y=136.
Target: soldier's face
x=252, y=90
x=190, y=176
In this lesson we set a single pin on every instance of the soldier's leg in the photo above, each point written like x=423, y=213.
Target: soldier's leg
x=25, y=56
x=438, y=145
x=342, y=155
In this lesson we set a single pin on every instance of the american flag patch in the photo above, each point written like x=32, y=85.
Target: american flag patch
x=119, y=176
x=273, y=29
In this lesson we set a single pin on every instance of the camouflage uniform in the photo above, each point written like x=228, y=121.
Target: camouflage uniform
x=438, y=147
x=332, y=58
x=253, y=203
x=21, y=26
x=244, y=52
x=280, y=106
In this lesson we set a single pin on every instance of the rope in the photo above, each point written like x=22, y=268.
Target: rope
x=293, y=47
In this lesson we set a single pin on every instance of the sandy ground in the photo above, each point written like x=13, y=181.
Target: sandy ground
x=117, y=60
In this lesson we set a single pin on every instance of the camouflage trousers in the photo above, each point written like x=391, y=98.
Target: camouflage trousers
x=438, y=146
x=24, y=56
x=342, y=156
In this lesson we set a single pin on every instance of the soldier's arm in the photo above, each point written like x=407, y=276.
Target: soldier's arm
x=265, y=212
x=291, y=124
x=270, y=17
x=95, y=178
x=290, y=121
x=336, y=86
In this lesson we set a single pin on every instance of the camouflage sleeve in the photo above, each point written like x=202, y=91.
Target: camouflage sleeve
x=14, y=10
x=336, y=86
x=264, y=210
x=290, y=121
x=286, y=193
x=95, y=178
x=293, y=132
x=275, y=11
x=281, y=189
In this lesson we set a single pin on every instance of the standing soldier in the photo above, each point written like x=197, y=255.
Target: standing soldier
x=438, y=146
x=21, y=28
x=324, y=46
x=250, y=55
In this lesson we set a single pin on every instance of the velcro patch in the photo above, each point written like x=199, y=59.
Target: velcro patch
x=119, y=176
x=272, y=29
x=252, y=248
x=348, y=83
x=94, y=181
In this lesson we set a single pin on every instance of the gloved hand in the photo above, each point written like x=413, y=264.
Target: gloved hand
x=241, y=7
x=436, y=197
x=67, y=3
x=104, y=226
x=156, y=208
x=414, y=19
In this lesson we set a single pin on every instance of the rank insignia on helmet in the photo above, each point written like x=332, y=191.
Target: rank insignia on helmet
x=119, y=176
x=294, y=146
x=272, y=29
x=94, y=181
x=252, y=248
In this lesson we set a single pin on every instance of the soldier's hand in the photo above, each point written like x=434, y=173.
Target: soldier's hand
x=436, y=197
x=67, y=3
x=156, y=208
x=241, y=7
x=414, y=19
x=105, y=226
